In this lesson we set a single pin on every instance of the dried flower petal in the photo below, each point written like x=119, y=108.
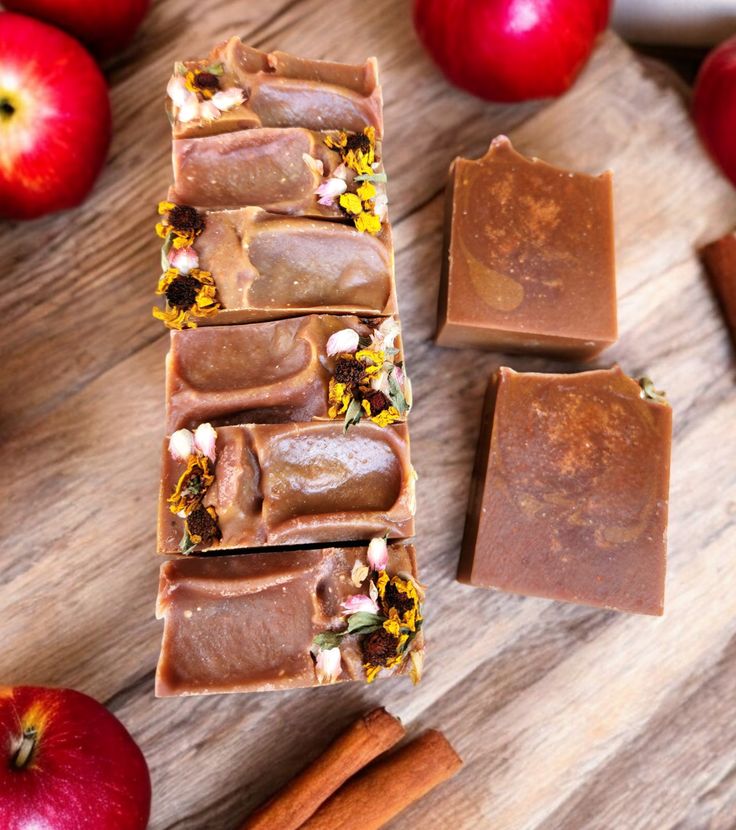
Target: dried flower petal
x=177, y=90
x=329, y=190
x=208, y=111
x=343, y=341
x=378, y=554
x=183, y=259
x=181, y=444
x=315, y=165
x=328, y=665
x=359, y=602
x=228, y=98
x=205, y=437
x=189, y=110
x=359, y=574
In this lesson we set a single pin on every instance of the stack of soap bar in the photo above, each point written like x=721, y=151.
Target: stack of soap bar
x=286, y=411
x=529, y=257
x=570, y=490
x=267, y=266
x=720, y=260
x=287, y=484
x=247, y=623
x=260, y=373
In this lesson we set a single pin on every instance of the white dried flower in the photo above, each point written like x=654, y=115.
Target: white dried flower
x=205, y=437
x=345, y=340
x=181, y=444
x=378, y=554
x=330, y=189
x=183, y=259
x=328, y=665
x=226, y=99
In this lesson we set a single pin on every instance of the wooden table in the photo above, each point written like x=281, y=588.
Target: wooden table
x=568, y=718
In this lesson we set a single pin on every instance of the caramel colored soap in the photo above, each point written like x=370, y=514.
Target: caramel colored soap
x=246, y=623
x=275, y=169
x=288, y=484
x=720, y=260
x=570, y=491
x=529, y=257
x=282, y=90
x=256, y=373
x=267, y=266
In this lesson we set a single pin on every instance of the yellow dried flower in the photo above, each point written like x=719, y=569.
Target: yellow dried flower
x=192, y=485
x=368, y=222
x=187, y=296
x=351, y=203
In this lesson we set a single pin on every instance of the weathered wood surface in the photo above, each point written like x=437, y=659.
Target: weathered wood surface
x=568, y=718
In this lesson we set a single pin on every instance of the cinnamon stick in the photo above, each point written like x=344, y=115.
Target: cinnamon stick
x=367, y=738
x=389, y=786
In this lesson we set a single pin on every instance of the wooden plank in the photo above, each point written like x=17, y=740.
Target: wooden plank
x=567, y=717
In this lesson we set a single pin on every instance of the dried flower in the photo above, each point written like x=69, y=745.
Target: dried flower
x=181, y=225
x=360, y=602
x=201, y=526
x=345, y=340
x=359, y=573
x=330, y=189
x=183, y=260
x=192, y=486
x=181, y=444
x=197, y=96
x=205, y=437
x=187, y=296
x=328, y=665
x=315, y=165
x=378, y=553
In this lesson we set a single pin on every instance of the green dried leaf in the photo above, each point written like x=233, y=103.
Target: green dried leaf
x=215, y=69
x=648, y=392
x=179, y=68
x=165, y=248
x=396, y=395
x=186, y=546
x=328, y=639
x=353, y=414
x=363, y=622
x=372, y=177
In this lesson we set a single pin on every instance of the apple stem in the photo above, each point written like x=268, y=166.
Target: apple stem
x=25, y=750
x=6, y=108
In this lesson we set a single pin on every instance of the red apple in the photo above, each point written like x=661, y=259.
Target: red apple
x=54, y=119
x=106, y=26
x=66, y=763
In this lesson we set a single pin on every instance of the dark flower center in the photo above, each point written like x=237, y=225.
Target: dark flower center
x=379, y=647
x=377, y=402
x=206, y=80
x=185, y=218
x=358, y=141
x=200, y=523
x=349, y=371
x=182, y=292
x=393, y=598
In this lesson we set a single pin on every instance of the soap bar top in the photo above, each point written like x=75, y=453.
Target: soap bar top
x=249, y=622
x=720, y=260
x=285, y=484
x=570, y=491
x=271, y=89
x=265, y=266
x=530, y=257
x=282, y=370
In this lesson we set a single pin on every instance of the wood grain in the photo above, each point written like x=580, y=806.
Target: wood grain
x=567, y=718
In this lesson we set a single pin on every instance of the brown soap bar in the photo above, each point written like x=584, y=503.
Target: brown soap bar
x=276, y=169
x=267, y=266
x=281, y=90
x=257, y=373
x=720, y=260
x=247, y=623
x=529, y=257
x=570, y=491
x=288, y=484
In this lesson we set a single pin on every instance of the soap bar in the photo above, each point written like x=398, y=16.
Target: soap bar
x=529, y=257
x=570, y=490
x=279, y=170
x=720, y=260
x=271, y=372
x=277, y=90
x=287, y=484
x=248, y=623
x=267, y=266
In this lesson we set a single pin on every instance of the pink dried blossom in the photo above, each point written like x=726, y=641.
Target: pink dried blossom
x=378, y=554
x=345, y=340
x=181, y=444
x=183, y=259
x=359, y=602
x=205, y=437
x=330, y=189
